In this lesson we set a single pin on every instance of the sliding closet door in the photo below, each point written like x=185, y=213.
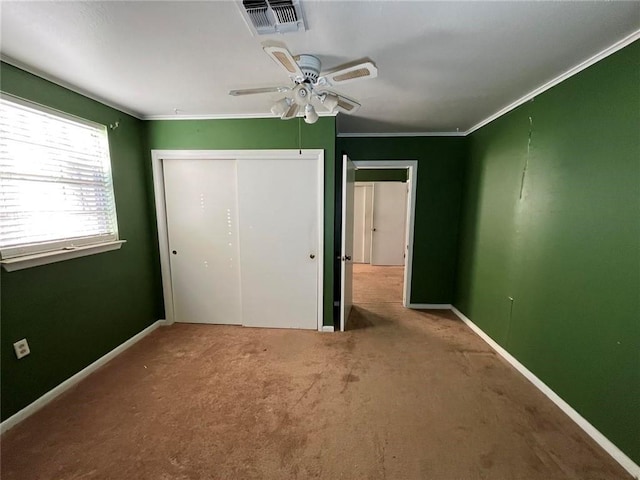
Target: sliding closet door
x=202, y=221
x=279, y=242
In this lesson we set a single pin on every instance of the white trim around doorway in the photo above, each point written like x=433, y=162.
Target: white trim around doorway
x=412, y=180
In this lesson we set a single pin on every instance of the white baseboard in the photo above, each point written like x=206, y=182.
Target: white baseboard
x=327, y=328
x=30, y=409
x=429, y=306
x=617, y=454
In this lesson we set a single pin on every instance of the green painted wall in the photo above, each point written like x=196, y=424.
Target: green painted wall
x=261, y=134
x=74, y=312
x=381, y=175
x=441, y=163
x=567, y=249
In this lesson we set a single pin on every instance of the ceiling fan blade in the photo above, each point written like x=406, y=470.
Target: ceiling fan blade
x=291, y=113
x=283, y=57
x=360, y=71
x=347, y=105
x=252, y=91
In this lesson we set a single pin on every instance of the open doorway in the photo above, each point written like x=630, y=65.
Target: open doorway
x=378, y=212
x=379, y=235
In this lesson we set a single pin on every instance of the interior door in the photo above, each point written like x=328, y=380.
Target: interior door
x=388, y=241
x=278, y=205
x=202, y=224
x=346, y=271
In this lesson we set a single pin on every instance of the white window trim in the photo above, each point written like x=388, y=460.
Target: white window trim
x=51, y=111
x=12, y=258
x=37, y=259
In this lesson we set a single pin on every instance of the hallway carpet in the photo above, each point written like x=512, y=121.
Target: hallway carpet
x=404, y=395
x=373, y=284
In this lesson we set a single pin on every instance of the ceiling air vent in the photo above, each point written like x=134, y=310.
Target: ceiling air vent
x=266, y=17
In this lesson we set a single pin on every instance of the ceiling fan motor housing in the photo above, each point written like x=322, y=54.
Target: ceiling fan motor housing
x=310, y=66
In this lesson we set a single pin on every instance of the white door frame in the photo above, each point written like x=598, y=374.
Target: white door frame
x=157, y=159
x=346, y=246
x=412, y=179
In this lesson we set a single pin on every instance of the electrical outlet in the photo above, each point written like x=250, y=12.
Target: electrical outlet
x=22, y=348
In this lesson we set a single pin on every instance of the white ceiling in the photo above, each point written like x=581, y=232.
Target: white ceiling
x=443, y=66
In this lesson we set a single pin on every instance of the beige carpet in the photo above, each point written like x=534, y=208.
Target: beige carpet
x=372, y=284
x=405, y=395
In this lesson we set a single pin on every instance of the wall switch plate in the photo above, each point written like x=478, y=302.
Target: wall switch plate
x=22, y=348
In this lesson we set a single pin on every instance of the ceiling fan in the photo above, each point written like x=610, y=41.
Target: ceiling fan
x=310, y=87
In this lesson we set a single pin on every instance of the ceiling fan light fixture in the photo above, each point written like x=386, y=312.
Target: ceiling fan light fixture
x=330, y=101
x=281, y=106
x=311, y=87
x=310, y=114
x=292, y=112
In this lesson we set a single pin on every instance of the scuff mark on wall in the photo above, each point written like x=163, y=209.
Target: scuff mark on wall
x=526, y=160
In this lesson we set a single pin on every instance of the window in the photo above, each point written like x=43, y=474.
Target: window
x=56, y=192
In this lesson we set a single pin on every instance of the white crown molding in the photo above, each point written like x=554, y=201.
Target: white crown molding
x=402, y=134
x=39, y=73
x=205, y=116
x=619, y=45
x=226, y=116
x=629, y=39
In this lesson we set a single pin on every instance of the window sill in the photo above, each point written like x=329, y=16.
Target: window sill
x=35, y=260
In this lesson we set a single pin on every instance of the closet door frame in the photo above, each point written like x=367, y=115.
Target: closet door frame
x=157, y=159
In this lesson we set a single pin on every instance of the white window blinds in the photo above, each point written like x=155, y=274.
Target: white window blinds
x=55, y=181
